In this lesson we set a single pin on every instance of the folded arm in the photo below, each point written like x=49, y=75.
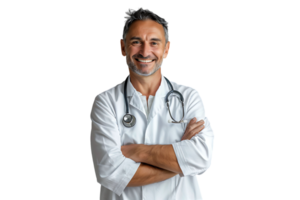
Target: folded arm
x=162, y=156
x=147, y=174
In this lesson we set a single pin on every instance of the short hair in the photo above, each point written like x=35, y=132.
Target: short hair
x=142, y=14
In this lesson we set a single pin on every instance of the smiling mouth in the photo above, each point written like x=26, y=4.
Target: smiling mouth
x=144, y=61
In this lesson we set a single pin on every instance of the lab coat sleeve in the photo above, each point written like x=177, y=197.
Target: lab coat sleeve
x=113, y=170
x=194, y=155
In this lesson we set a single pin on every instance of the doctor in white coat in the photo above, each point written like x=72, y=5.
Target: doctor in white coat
x=154, y=159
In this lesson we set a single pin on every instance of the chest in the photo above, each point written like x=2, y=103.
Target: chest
x=154, y=128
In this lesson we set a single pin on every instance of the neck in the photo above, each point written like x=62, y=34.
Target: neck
x=147, y=85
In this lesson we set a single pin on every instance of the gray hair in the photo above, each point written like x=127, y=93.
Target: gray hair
x=142, y=14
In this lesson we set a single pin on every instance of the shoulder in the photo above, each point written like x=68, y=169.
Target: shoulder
x=191, y=98
x=192, y=101
x=188, y=93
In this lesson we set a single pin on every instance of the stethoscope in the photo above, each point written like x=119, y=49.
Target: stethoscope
x=129, y=120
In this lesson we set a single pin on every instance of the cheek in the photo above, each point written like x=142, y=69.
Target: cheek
x=158, y=53
x=133, y=50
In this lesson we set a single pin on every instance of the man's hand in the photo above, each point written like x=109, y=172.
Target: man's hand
x=132, y=151
x=192, y=129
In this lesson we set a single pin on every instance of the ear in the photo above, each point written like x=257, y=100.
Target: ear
x=123, y=47
x=167, y=49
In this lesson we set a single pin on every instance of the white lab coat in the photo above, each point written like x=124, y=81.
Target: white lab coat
x=114, y=171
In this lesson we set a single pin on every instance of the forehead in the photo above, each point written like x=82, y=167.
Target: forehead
x=146, y=28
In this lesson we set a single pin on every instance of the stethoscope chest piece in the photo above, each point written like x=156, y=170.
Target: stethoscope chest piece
x=128, y=120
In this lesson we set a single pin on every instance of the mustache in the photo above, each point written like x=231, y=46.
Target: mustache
x=144, y=58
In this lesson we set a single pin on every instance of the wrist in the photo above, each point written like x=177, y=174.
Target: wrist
x=144, y=152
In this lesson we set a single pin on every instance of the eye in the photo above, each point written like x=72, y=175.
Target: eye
x=135, y=42
x=154, y=43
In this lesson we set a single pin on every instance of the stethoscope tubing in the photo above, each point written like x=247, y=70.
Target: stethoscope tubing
x=133, y=120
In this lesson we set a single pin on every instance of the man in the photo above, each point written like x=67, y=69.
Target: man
x=152, y=159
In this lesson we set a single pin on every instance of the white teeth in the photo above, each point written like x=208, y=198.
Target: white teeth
x=144, y=60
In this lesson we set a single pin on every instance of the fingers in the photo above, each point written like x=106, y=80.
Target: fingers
x=197, y=130
x=193, y=121
x=200, y=127
x=193, y=124
x=201, y=121
x=189, y=134
x=193, y=128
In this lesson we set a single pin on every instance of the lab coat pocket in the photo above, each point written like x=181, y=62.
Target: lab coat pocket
x=168, y=132
x=178, y=126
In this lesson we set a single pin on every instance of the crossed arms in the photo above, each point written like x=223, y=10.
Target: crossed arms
x=158, y=163
x=162, y=156
x=161, y=161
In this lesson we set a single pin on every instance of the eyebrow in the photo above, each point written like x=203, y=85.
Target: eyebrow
x=152, y=39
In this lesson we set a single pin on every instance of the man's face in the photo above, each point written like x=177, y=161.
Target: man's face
x=145, y=47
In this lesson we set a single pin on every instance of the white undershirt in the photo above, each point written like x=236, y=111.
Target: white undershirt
x=146, y=105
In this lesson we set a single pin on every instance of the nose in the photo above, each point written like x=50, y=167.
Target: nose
x=145, y=50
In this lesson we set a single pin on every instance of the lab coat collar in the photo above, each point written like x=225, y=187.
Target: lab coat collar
x=158, y=102
x=161, y=92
